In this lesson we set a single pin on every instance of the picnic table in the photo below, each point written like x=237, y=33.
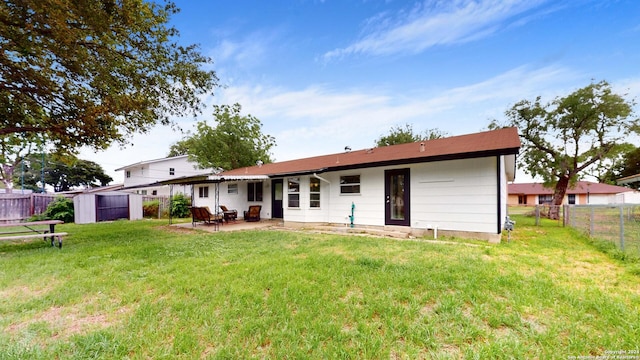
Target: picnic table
x=32, y=229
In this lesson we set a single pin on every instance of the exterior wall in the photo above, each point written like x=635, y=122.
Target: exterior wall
x=459, y=195
x=84, y=208
x=234, y=201
x=135, y=207
x=150, y=172
x=456, y=196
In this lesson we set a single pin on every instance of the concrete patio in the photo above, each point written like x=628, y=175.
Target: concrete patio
x=232, y=225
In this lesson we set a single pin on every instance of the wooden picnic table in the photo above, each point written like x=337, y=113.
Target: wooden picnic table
x=32, y=229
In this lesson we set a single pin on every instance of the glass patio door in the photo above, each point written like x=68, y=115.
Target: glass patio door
x=397, y=197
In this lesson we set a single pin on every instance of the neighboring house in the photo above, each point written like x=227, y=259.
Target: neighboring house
x=457, y=185
x=583, y=193
x=631, y=181
x=142, y=177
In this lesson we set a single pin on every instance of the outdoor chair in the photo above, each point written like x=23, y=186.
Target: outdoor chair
x=253, y=214
x=229, y=214
x=203, y=214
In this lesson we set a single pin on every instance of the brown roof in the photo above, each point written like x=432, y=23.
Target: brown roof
x=489, y=143
x=581, y=187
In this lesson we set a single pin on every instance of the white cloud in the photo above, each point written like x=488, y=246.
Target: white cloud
x=318, y=120
x=438, y=23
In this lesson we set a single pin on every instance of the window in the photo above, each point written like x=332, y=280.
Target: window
x=203, y=191
x=128, y=173
x=172, y=171
x=254, y=191
x=545, y=199
x=350, y=184
x=232, y=189
x=522, y=199
x=314, y=192
x=572, y=199
x=154, y=192
x=294, y=192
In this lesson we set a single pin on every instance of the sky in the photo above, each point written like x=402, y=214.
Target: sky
x=324, y=74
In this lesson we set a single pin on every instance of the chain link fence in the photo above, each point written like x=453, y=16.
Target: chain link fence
x=619, y=224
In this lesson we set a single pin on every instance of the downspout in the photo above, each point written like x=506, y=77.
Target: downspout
x=329, y=193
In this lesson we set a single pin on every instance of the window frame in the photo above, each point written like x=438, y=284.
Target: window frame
x=203, y=192
x=293, y=192
x=255, y=191
x=314, y=191
x=347, y=183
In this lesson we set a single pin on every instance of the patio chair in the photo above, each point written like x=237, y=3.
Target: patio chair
x=229, y=214
x=203, y=214
x=253, y=214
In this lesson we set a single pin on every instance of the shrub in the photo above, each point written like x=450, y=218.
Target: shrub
x=180, y=204
x=60, y=209
x=151, y=208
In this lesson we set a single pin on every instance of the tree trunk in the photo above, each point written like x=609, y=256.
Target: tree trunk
x=7, y=178
x=558, y=195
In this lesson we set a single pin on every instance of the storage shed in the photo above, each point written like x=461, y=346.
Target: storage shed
x=106, y=206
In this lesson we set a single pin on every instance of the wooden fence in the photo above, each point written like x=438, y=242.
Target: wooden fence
x=19, y=207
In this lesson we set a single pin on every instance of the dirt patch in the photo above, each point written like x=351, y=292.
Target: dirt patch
x=62, y=322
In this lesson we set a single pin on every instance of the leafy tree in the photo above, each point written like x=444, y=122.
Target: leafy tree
x=92, y=72
x=403, y=135
x=569, y=135
x=13, y=148
x=234, y=142
x=62, y=172
x=627, y=164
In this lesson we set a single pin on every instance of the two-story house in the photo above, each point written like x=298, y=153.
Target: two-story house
x=142, y=177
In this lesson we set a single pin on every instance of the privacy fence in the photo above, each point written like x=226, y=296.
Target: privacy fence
x=616, y=223
x=19, y=207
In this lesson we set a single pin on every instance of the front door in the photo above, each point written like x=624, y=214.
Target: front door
x=396, y=192
x=276, y=199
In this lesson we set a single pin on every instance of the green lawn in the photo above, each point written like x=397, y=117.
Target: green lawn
x=142, y=290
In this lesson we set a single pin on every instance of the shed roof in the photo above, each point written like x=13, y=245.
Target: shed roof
x=488, y=143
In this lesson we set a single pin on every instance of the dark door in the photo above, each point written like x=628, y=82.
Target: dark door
x=396, y=192
x=276, y=199
x=112, y=207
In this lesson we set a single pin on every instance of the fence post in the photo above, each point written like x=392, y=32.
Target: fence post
x=622, y=228
x=537, y=215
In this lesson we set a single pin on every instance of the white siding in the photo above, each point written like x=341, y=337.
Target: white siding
x=237, y=201
x=458, y=195
x=84, y=208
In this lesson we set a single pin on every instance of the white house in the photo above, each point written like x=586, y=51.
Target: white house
x=142, y=177
x=457, y=185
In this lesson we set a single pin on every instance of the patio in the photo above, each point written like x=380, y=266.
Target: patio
x=232, y=225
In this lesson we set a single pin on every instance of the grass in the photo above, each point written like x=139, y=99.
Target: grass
x=144, y=290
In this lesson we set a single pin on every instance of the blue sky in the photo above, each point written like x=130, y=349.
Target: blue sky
x=322, y=75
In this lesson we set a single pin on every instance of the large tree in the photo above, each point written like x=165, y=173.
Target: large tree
x=565, y=137
x=235, y=141
x=93, y=72
x=406, y=134
x=63, y=173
